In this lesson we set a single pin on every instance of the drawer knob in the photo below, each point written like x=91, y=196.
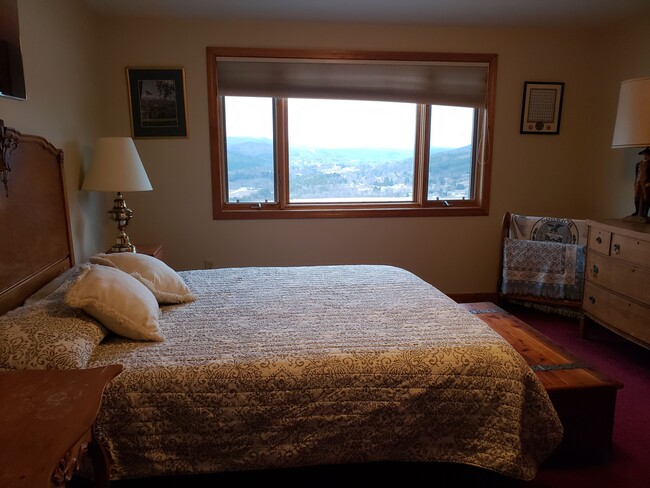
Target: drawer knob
x=594, y=270
x=616, y=249
x=599, y=240
x=592, y=299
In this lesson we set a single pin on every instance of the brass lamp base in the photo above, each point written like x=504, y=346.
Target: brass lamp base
x=122, y=244
x=121, y=214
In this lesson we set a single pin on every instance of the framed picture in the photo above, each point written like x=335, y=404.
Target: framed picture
x=157, y=101
x=541, y=108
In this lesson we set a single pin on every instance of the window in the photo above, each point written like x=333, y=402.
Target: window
x=349, y=134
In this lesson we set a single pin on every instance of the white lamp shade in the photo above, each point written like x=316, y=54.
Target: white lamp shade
x=116, y=167
x=632, y=127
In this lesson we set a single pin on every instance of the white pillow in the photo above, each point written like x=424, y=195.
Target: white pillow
x=165, y=283
x=117, y=300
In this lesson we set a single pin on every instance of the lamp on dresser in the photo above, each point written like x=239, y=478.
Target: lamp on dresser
x=116, y=167
x=632, y=129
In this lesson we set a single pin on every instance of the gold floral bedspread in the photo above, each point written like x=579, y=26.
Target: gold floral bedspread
x=285, y=367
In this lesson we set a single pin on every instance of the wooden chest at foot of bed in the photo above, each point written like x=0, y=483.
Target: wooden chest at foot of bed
x=584, y=398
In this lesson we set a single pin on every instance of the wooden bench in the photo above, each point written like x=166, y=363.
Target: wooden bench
x=584, y=398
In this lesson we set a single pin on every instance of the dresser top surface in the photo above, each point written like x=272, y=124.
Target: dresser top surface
x=618, y=225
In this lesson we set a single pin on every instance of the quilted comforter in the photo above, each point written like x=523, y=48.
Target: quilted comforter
x=298, y=366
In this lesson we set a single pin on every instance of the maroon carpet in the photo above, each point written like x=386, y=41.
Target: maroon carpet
x=629, y=465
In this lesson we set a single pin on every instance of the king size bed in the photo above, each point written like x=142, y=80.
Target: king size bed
x=262, y=368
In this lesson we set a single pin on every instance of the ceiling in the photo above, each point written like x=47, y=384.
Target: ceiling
x=547, y=13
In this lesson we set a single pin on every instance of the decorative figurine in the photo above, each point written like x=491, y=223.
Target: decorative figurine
x=642, y=188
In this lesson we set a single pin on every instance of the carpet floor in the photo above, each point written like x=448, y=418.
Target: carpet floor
x=629, y=463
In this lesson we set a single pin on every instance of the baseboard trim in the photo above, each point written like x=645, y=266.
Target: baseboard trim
x=474, y=297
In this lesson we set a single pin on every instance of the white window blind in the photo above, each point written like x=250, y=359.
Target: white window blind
x=459, y=84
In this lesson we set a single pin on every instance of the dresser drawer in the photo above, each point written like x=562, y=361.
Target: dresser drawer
x=630, y=249
x=626, y=316
x=599, y=240
x=625, y=278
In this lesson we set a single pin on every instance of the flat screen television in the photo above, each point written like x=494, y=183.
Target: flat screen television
x=12, y=78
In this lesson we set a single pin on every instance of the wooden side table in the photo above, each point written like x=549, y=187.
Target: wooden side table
x=47, y=420
x=155, y=250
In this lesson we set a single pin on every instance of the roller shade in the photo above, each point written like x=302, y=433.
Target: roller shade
x=457, y=84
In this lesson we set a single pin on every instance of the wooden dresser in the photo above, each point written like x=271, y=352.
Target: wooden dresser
x=617, y=279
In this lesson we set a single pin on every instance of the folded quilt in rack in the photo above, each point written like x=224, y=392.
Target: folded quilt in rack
x=544, y=269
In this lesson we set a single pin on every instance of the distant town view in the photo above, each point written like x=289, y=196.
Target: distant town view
x=343, y=175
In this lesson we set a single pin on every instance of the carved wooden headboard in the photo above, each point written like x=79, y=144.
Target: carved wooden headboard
x=35, y=237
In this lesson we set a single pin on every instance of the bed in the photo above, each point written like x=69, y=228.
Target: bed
x=277, y=367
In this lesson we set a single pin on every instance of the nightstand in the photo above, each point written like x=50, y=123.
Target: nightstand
x=47, y=420
x=155, y=250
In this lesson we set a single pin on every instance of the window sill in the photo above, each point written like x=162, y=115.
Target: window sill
x=459, y=210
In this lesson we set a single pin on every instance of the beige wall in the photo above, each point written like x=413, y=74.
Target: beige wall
x=624, y=53
x=539, y=175
x=575, y=173
x=60, y=61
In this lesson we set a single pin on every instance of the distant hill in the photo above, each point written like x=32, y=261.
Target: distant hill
x=451, y=159
x=342, y=172
x=245, y=153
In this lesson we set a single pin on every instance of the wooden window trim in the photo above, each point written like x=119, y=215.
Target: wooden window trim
x=282, y=209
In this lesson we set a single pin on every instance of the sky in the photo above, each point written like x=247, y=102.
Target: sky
x=318, y=123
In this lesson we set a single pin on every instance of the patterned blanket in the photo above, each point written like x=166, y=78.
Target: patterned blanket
x=285, y=367
x=543, y=269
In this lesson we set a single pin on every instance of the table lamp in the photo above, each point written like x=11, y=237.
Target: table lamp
x=632, y=129
x=116, y=167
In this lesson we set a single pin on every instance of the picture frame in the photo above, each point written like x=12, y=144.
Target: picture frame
x=541, y=109
x=157, y=102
